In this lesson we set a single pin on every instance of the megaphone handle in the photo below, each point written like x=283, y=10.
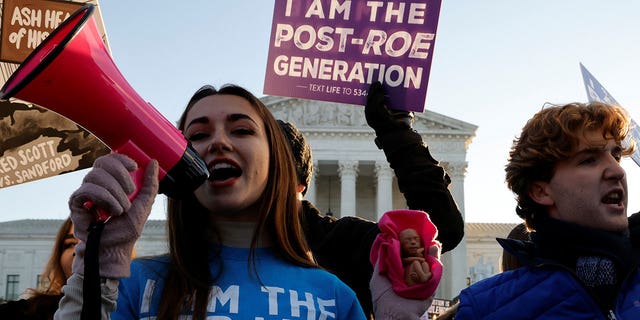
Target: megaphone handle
x=91, y=283
x=102, y=215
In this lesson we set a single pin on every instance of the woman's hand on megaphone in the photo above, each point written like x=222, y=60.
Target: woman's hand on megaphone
x=107, y=186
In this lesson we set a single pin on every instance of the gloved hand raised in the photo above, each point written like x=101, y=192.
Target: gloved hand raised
x=382, y=119
x=387, y=304
x=107, y=186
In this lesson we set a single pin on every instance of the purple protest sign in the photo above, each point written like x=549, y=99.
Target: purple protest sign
x=332, y=50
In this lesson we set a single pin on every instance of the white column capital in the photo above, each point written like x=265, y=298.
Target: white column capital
x=456, y=168
x=348, y=168
x=382, y=169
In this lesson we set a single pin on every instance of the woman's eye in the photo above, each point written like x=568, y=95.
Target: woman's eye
x=196, y=136
x=243, y=131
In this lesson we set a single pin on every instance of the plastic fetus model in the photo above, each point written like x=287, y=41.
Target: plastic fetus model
x=416, y=267
x=399, y=261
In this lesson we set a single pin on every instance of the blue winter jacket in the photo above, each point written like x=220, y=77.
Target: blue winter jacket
x=543, y=291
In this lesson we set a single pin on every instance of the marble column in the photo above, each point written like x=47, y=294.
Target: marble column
x=348, y=171
x=384, y=192
x=456, y=259
x=31, y=273
x=311, y=188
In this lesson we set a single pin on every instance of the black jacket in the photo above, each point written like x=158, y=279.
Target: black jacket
x=342, y=246
x=424, y=184
x=40, y=307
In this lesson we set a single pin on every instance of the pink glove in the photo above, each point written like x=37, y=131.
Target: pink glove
x=107, y=186
x=387, y=304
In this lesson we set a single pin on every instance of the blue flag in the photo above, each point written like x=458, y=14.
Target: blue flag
x=596, y=92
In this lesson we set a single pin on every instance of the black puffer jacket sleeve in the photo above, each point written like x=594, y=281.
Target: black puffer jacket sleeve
x=423, y=183
x=342, y=247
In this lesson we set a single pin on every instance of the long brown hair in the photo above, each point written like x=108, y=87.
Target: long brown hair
x=53, y=277
x=190, y=228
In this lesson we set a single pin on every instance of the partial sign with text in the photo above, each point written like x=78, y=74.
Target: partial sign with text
x=25, y=24
x=35, y=142
x=332, y=50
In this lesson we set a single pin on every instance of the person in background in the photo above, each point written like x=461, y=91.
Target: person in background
x=42, y=302
x=236, y=245
x=572, y=194
x=342, y=246
x=509, y=261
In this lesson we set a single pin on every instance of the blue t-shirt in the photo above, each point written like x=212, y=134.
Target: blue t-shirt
x=283, y=290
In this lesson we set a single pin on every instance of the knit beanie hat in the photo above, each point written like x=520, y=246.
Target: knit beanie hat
x=519, y=232
x=301, y=153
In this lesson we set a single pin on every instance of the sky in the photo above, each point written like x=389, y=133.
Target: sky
x=495, y=64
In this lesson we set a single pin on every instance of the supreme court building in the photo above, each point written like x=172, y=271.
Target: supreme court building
x=351, y=178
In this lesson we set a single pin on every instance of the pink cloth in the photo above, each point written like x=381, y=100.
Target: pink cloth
x=386, y=251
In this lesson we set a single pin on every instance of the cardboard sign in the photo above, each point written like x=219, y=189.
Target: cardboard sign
x=25, y=24
x=332, y=50
x=35, y=142
x=597, y=92
x=38, y=143
x=438, y=306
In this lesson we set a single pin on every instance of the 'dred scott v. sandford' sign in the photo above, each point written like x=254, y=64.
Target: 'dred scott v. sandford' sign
x=332, y=50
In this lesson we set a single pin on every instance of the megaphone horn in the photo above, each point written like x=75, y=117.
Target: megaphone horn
x=71, y=73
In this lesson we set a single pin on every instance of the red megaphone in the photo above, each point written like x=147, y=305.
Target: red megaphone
x=72, y=73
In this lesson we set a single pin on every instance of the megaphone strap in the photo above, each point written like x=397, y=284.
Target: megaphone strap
x=91, y=305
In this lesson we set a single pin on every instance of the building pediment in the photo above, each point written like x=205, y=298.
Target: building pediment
x=320, y=116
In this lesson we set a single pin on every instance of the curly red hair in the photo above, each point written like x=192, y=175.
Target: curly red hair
x=554, y=134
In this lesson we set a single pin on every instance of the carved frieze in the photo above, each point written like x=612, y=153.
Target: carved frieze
x=318, y=115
